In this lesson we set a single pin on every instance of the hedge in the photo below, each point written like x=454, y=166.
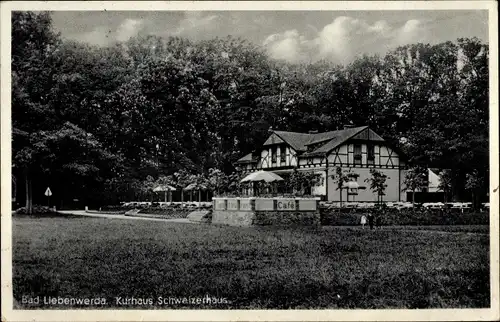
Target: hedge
x=285, y=218
x=167, y=212
x=389, y=217
x=37, y=209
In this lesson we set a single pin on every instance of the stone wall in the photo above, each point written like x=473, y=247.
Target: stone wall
x=266, y=211
x=233, y=218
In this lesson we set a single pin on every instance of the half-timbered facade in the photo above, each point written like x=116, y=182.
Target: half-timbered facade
x=357, y=149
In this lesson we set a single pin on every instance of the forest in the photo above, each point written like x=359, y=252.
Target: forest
x=98, y=124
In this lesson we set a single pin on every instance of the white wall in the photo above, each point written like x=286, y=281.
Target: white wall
x=320, y=189
x=392, y=193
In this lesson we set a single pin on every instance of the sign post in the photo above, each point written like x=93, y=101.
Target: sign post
x=48, y=193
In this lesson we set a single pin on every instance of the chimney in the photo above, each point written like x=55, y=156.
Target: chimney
x=348, y=126
x=313, y=132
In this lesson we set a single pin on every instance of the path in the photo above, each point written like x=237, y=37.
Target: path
x=110, y=216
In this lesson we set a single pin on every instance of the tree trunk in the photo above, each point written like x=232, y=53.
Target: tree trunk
x=29, y=195
x=340, y=197
x=413, y=197
x=182, y=196
x=199, y=198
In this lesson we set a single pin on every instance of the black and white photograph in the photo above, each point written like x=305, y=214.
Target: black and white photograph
x=201, y=157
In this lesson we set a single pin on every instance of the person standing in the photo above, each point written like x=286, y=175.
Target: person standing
x=363, y=221
x=378, y=221
x=370, y=220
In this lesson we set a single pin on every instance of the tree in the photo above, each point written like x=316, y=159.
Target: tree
x=33, y=44
x=182, y=180
x=473, y=183
x=216, y=180
x=302, y=181
x=445, y=181
x=234, y=183
x=165, y=182
x=415, y=179
x=199, y=182
x=147, y=186
x=340, y=177
x=377, y=183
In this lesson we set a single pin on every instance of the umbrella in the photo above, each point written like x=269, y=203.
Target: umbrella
x=350, y=185
x=164, y=188
x=194, y=186
x=262, y=176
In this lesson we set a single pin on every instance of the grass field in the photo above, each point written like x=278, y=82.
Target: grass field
x=260, y=267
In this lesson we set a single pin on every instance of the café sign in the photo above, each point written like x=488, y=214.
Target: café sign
x=286, y=204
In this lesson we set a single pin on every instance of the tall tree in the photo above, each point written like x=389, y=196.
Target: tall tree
x=445, y=183
x=415, y=179
x=377, y=183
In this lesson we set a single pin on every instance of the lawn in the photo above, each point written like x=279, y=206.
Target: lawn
x=258, y=267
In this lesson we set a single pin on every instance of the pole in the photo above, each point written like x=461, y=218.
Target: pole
x=48, y=201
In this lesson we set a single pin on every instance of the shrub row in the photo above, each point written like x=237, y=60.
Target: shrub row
x=405, y=217
x=37, y=209
x=283, y=218
x=153, y=206
x=167, y=212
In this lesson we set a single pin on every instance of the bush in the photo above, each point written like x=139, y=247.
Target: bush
x=116, y=208
x=37, y=209
x=264, y=218
x=167, y=212
x=350, y=217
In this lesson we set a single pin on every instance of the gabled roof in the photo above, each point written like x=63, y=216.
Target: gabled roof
x=325, y=141
x=296, y=140
x=337, y=138
x=249, y=158
x=300, y=141
x=326, y=136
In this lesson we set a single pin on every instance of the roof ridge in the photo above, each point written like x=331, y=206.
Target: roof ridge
x=302, y=133
x=354, y=130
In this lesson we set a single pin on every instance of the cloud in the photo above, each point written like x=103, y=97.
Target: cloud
x=343, y=39
x=104, y=36
x=194, y=21
x=289, y=46
x=412, y=31
x=128, y=29
x=100, y=36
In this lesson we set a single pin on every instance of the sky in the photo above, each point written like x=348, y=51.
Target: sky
x=294, y=36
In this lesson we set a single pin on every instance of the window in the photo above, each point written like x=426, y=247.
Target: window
x=283, y=154
x=357, y=153
x=273, y=154
x=371, y=154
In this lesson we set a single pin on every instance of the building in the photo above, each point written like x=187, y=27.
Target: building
x=357, y=149
x=432, y=193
